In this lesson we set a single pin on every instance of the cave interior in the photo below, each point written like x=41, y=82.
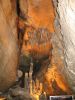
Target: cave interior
x=45, y=54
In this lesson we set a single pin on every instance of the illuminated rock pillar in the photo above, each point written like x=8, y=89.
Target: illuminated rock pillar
x=30, y=83
x=26, y=83
x=30, y=78
x=41, y=87
x=34, y=87
x=37, y=85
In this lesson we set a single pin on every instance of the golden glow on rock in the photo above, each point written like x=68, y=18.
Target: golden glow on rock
x=41, y=14
x=53, y=76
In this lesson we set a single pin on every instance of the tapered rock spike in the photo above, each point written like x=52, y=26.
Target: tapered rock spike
x=30, y=82
x=33, y=86
x=37, y=84
x=41, y=87
x=26, y=83
x=30, y=77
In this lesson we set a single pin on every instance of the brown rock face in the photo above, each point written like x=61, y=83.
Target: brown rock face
x=8, y=44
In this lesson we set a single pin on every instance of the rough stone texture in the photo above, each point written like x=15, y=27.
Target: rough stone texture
x=38, y=13
x=35, y=21
x=66, y=33
x=38, y=31
x=8, y=44
x=40, y=16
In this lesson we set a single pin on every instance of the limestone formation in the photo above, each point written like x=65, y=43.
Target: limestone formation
x=38, y=13
x=8, y=44
x=26, y=83
x=53, y=54
x=65, y=20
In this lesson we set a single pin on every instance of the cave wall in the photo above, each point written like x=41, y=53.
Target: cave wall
x=36, y=16
x=8, y=44
x=65, y=32
x=53, y=73
x=38, y=13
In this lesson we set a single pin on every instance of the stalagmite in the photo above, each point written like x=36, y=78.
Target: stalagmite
x=30, y=78
x=30, y=83
x=26, y=83
x=37, y=85
x=41, y=87
x=33, y=87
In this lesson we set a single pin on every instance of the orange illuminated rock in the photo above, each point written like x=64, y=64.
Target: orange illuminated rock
x=55, y=82
x=39, y=13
